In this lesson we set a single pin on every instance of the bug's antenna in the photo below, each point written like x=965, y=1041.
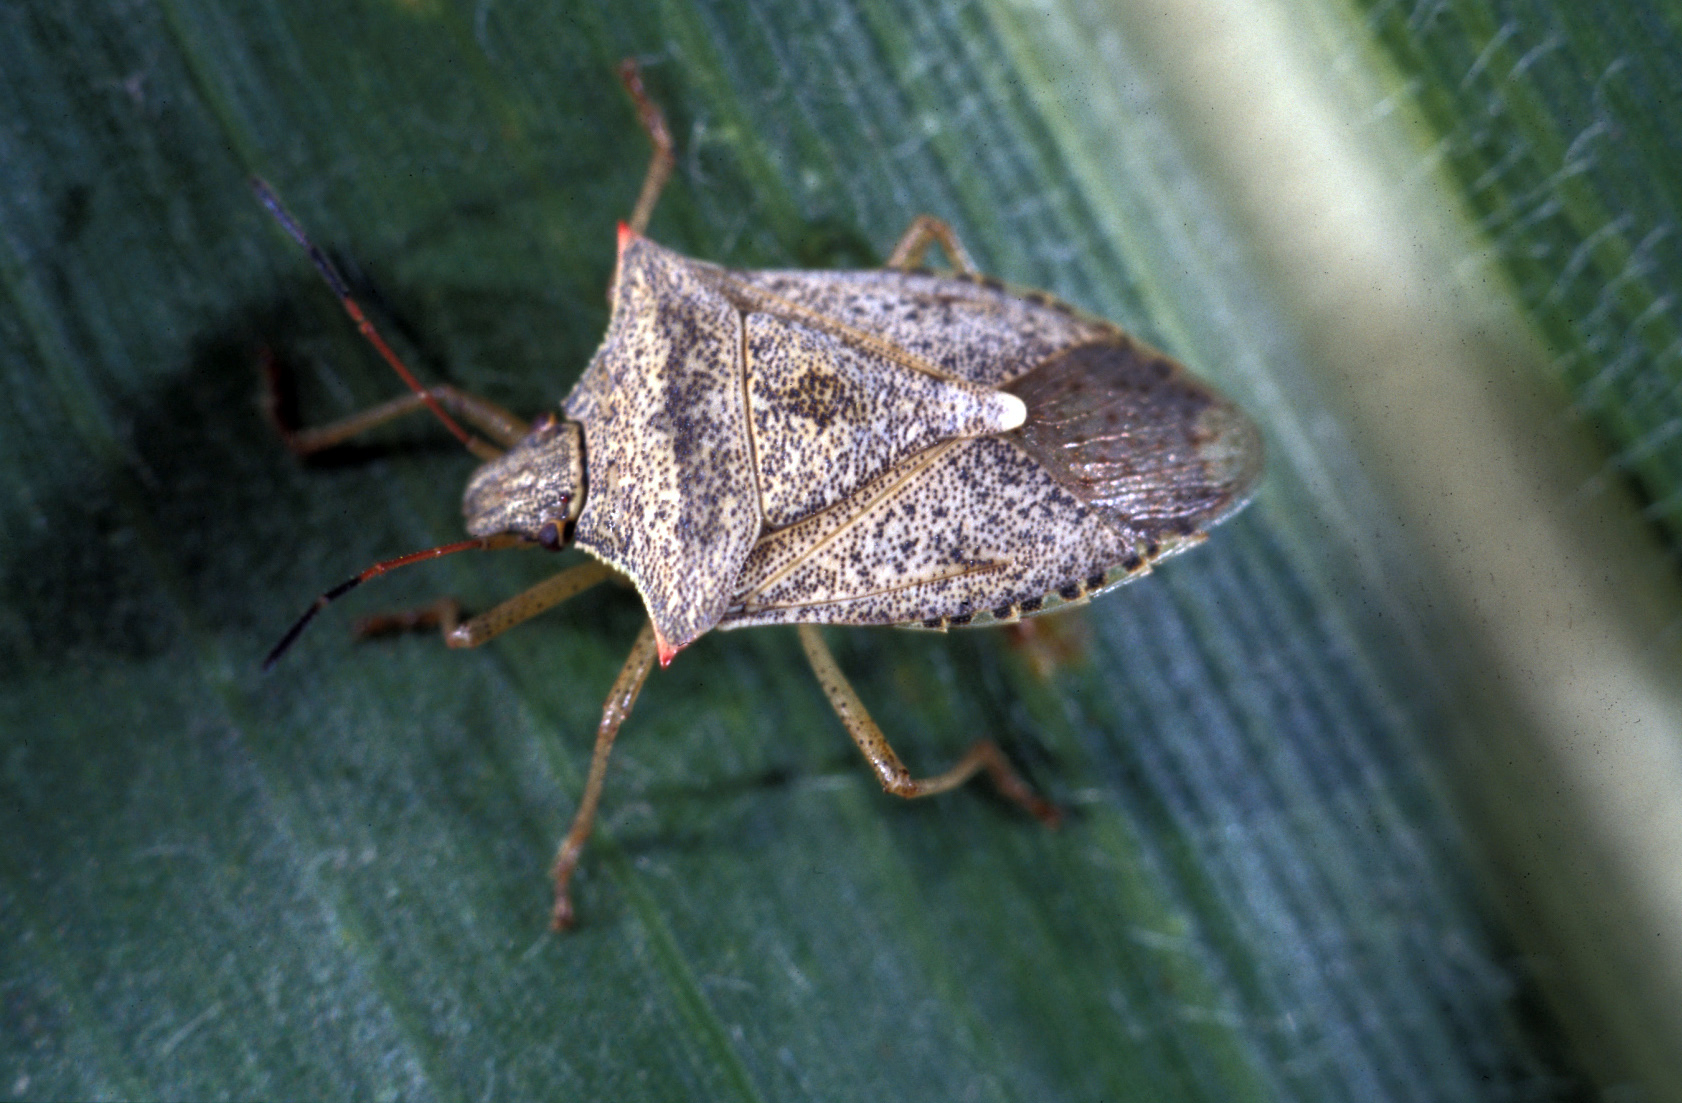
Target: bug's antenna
x=267, y=197
x=483, y=543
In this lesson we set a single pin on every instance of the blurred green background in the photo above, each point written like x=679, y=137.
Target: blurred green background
x=1371, y=797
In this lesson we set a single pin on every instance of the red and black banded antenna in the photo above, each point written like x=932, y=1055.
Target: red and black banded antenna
x=266, y=195
x=483, y=543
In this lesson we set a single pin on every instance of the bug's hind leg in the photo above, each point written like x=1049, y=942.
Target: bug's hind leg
x=619, y=703
x=486, y=416
x=926, y=230
x=890, y=771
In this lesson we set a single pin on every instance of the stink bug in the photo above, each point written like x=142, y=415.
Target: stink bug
x=881, y=447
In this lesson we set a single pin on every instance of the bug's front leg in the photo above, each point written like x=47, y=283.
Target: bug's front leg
x=890, y=771
x=925, y=230
x=523, y=606
x=445, y=613
x=486, y=416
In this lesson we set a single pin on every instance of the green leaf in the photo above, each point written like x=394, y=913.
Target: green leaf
x=1329, y=834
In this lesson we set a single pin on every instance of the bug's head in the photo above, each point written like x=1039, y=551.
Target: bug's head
x=534, y=490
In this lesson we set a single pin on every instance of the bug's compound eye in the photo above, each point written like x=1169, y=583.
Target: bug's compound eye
x=545, y=424
x=550, y=536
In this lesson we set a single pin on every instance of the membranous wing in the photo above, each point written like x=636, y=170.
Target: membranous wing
x=1139, y=439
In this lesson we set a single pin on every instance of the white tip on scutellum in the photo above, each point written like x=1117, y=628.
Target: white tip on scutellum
x=1012, y=412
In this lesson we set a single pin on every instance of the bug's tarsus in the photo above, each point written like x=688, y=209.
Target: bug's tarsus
x=984, y=754
x=266, y=196
x=654, y=124
x=443, y=614
x=279, y=401
x=987, y=755
x=489, y=418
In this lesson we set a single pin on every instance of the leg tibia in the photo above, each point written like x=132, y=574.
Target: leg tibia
x=924, y=231
x=618, y=707
x=486, y=416
x=890, y=771
x=662, y=162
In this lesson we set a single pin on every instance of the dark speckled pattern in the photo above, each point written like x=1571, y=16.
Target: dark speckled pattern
x=779, y=447
x=671, y=498
x=827, y=416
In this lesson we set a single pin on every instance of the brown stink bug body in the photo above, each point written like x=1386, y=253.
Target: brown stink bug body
x=884, y=447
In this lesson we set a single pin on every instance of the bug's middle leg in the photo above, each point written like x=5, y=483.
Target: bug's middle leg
x=523, y=606
x=890, y=771
x=662, y=162
x=926, y=230
x=618, y=707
